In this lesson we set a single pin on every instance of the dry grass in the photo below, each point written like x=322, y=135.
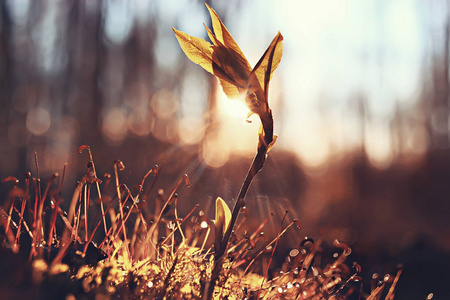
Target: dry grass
x=146, y=250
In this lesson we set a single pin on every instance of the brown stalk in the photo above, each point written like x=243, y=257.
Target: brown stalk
x=55, y=212
x=119, y=194
x=80, y=149
x=153, y=228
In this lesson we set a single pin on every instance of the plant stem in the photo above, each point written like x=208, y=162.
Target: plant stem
x=255, y=167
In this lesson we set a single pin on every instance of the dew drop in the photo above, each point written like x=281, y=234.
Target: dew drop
x=170, y=225
x=357, y=267
x=155, y=169
x=204, y=224
x=298, y=223
x=307, y=240
x=12, y=179
x=294, y=253
x=186, y=180
x=120, y=164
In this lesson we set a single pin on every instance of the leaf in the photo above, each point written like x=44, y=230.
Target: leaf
x=196, y=49
x=223, y=218
x=230, y=90
x=268, y=143
x=214, y=59
x=223, y=35
x=269, y=61
x=225, y=60
x=227, y=63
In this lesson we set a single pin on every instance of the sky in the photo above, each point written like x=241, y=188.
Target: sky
x=347, y=68
x=336, y=53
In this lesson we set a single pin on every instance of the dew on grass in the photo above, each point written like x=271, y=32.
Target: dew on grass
x=120, y=164
x=11, y=179
x=357, y=267
x=306, y=240
x=294, y=253
x=186, y=180
x=298, y=223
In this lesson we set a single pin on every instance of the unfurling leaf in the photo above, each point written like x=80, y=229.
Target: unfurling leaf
x=223, y=215
x=222, y=220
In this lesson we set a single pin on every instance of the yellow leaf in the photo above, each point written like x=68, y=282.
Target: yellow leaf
x=225, y=60
x=228, y=63
x=196, y=49
x=223, y=35
x=230, y=90
x=223, y=216
x=269, y=61
x=270, y=146
x=268, y=143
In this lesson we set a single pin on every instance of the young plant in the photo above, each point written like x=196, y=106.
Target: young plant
x=224, y=59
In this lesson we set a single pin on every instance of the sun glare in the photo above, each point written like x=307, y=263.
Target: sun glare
x=235, y=108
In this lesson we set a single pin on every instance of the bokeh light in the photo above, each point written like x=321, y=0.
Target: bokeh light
x=38, y=121
x=115, y=125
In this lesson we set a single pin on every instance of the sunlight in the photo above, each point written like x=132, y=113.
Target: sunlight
x=235, y=108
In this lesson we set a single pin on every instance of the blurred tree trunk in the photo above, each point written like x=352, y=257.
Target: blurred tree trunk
x=6, y=65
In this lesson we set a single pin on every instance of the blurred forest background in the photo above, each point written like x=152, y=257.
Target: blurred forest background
x=360, y=101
